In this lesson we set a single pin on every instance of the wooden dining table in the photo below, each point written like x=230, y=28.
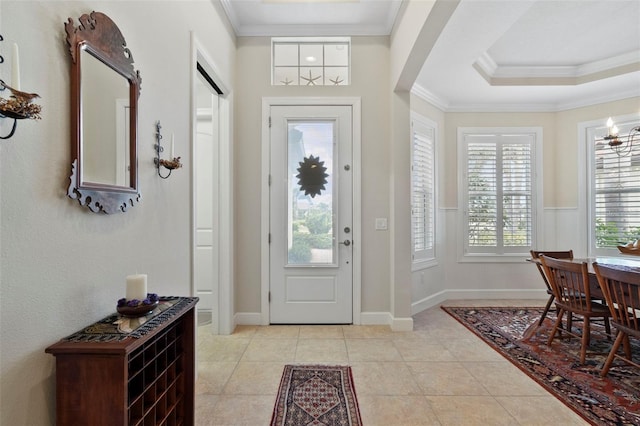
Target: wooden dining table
x=623, y=263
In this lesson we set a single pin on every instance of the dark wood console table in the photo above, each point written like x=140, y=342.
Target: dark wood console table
x=141, y=378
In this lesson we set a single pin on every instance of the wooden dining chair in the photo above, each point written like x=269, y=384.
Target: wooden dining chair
x=622, y=293
x=570, y=284
x=535, y=255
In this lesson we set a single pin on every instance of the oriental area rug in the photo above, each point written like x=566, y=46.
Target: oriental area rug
x=515, y=334
x=316, y=395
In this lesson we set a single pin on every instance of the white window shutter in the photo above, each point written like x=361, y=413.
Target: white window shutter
x=423, y=192
x=499, y=193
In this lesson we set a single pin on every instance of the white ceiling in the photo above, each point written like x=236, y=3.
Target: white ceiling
x=497, y=55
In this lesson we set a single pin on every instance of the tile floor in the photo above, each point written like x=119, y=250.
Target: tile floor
x=438, y=374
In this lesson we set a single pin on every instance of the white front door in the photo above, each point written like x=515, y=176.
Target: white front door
x=311, y=220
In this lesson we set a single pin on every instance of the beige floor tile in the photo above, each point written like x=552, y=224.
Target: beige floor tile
x=367, y=331
x=255, y=378
x=245, y=331
x=442, y=328
x=213, y=376
x=383, y=378
x=321, y=332
x=422, y=350
x=438, y=374
x=504, y=379
x=471, y=348
x=445, y=378
x=245, y=410
x=278, y=332
x=283, y=350
x=394, y=410
x=321, y=351
x=540, y=411
x=470, y=411
x=203, y=334
x=222, y=348
x=205, y=405
x=372, y=350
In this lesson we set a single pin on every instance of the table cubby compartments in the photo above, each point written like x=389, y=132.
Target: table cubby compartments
x=155, y=370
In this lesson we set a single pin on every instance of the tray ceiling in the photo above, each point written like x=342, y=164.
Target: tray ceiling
x=501, y=55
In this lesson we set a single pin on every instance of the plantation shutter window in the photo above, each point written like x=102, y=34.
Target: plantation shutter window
x=422, y=191
x=499, y=193
x=615, y=194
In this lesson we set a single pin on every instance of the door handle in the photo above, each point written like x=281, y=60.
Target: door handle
x=347, y=243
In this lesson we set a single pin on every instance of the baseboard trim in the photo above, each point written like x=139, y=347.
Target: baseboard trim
x=402, y=324
x=406, y=324
x=459, y=294
x=247, y=318
x=375, y=318
x=428, y=302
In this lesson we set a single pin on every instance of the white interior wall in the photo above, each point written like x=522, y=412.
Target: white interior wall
x=63, y=266
x=451, y=279
x=370, y=76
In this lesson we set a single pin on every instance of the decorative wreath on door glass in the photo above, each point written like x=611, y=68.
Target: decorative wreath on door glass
x=312, y=176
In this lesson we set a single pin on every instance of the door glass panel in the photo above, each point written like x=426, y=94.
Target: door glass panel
x=310, y=205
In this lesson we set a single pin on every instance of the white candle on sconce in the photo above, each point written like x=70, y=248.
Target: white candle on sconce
x=136, y=287
x=173, y=146
x=15, y=67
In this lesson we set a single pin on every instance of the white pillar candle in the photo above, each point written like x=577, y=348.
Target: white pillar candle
x=173, y=143
x=137, y=287
x=15, y=68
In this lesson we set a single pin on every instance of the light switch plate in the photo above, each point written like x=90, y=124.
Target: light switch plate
x=381, y=224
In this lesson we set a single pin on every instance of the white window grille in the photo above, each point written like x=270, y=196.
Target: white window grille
x=422, y=190
x=498, y=190
x=310, y=61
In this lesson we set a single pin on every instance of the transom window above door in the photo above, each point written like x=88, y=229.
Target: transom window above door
x=310, y=61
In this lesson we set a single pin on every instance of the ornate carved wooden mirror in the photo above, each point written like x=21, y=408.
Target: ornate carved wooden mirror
x=104, y=104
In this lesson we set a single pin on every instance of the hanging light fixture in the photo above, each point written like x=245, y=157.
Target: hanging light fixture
x=617, y=143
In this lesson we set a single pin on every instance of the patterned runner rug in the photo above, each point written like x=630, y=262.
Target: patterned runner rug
x=514, y=333
x=316, y=395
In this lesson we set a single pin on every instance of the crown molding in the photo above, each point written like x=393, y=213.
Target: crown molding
x=394, y=9
x=231, y=15
x=446, y=106
x=426, y=95
x=558, y=75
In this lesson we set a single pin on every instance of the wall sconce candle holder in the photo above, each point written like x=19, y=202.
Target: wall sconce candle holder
x=617, y=143
x=19, y=105
x=170, y=165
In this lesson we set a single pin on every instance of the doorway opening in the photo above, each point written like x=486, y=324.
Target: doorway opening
x=211, y=179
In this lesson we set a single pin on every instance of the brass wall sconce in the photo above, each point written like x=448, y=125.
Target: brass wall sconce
x=170, y=165
x=19, y=105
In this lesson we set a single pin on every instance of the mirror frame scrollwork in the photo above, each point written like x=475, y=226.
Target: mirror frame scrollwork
x=100, y=36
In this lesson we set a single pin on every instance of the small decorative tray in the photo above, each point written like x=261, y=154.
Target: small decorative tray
x=629, y=250
x=137, y=311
